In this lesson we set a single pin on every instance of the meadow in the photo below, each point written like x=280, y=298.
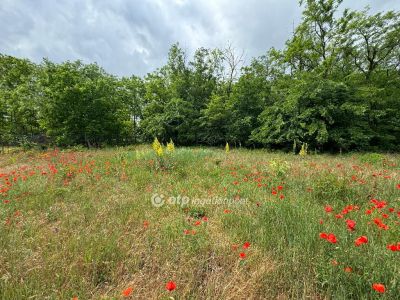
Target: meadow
x=198, y=223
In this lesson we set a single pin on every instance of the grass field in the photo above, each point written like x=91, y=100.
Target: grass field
x=123, y=222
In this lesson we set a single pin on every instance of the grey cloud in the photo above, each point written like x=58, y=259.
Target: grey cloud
x=133, y=37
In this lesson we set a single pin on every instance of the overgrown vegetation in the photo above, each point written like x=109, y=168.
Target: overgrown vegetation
x=335, y=86
x=84, y=224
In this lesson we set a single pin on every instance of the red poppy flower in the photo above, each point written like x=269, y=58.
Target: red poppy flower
x=170, y=286
x=379, y=287
x=398, y=186
x=281, y=196
x=331, y=238
x=348, y=269
x=394, y=247
x=246, y=245
x=127, y=292
x=361, y=240
x=323, y=235
x=328, y=208
x=351, y=224
x=146, y=224
x=280, y=188
x=242, y=255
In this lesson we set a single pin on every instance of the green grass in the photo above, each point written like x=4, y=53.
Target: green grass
x=81, y=223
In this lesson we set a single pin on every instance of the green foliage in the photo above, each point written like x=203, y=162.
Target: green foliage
x=279, y=168
x=329, y=188
x=334, y=86
x=371, y=158
x=80, y=105
x=321, y=113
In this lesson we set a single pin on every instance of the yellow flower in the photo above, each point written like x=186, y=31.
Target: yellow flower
x=157, y=147
x=170, y=146
x=303, y=150
x=227, y=147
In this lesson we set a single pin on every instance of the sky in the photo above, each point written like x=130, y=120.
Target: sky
x=129, y=37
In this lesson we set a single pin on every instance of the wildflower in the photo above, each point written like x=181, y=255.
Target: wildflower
x=380, y=224
x=242, y=255
x=170, y=286
x=334, y=262
x=394, y=247
x=323, y=235
x=379, y=204
x=246, y=245
x=379, y=287
x=361, y=240
x=303, y=150
x=157, y=147
x=146, y=224
x=348, y=269
x=398, y=186
x=281, y=197
x=351, y=225
x=280, y=188
x=332, y=238
x=127, y=292
x=329, y=237
x=328, y=208
x=170, y=146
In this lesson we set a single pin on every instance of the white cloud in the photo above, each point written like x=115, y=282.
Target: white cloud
x=133, y=37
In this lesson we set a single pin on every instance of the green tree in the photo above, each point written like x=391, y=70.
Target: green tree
x=19, y=96
x=80, y=104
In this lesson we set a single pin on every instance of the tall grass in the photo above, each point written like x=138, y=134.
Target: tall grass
x=82, y=224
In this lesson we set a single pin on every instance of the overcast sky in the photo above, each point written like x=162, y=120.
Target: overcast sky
x=133, y=36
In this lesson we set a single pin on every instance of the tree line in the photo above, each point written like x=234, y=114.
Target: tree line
x=335, y=86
